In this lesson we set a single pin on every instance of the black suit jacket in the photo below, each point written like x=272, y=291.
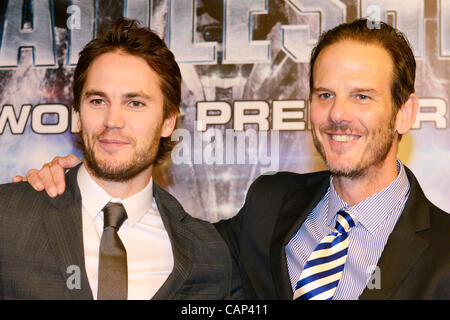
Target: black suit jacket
x=415, y=263
x=41, y=237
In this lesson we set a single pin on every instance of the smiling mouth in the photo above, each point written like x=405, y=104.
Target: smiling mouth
x=113, y=141
x=343, y=137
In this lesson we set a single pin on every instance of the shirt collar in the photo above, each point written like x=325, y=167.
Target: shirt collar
x=372, y=211
x=94, y=198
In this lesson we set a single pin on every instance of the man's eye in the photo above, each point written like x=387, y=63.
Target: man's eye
x=362, y=97
x=136, y=104
x=325, y=95
x=97, y=102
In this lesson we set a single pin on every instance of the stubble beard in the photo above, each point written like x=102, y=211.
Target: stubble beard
x=382, y=142
x=115, y=171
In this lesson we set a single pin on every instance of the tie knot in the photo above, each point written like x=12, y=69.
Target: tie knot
x=344, y=222
x=114, y=215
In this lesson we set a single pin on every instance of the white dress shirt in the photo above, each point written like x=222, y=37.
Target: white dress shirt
x=149, y=251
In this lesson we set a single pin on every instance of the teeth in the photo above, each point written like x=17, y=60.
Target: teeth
x=342, y=138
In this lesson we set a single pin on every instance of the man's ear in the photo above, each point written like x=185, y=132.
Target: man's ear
x=407, y=113
x=168, y=125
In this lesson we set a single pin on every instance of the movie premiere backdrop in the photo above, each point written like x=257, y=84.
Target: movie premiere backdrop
x=244, y=109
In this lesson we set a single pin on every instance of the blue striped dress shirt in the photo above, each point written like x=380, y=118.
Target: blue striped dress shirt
x=376, y=217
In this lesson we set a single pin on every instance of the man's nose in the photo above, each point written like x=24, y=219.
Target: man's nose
x=341, y=111
x=114, y=117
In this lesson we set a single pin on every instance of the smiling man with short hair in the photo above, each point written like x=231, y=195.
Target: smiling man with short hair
x=126, y=236
x=321, y=235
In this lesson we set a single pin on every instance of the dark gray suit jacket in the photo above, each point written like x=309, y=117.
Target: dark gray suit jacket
x=41, y=237
x=415, y=263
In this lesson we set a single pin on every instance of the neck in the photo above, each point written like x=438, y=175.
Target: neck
x=124, y=189
x=356, y=190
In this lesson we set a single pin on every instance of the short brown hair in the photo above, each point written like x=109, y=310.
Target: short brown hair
x=126, y=35
x=380, y=33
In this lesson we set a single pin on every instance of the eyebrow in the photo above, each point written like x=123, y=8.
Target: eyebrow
x=90, y=93
x=138, y=94
x=314, y=90
x=368, y=90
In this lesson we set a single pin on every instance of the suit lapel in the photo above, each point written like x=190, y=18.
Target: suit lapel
x=297, y=206
x=404, y=246
x=172, y=215
x=64, y=228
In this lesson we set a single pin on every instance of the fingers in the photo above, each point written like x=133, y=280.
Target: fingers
x=35, y=180
x=51, y=177
x=57, y=173
x=67, y=162
x=57, y=167
x=44, y=180
x=18, y=179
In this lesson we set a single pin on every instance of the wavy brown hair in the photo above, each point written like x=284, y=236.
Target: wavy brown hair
x=128, y=36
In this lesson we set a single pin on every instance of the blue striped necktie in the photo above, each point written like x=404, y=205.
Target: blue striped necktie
x=322, y=271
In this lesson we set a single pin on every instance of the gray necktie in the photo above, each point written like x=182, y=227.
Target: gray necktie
x=112, y=267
